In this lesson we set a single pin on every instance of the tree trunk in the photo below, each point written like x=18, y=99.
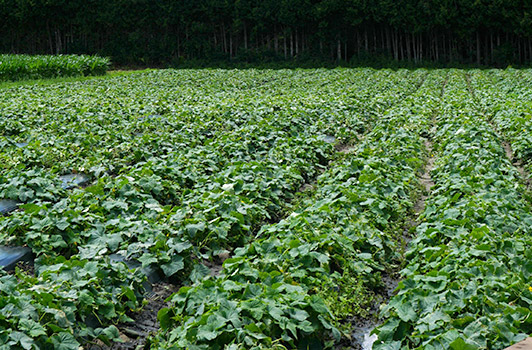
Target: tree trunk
x=519, y=50
x=529, y=50
x=394, y=45
x=437, y=48
x=345, y=50
x=408, y=52
x=276, y=42
x=486, y=48
x=374, y=39
x=420, y=48
x=366, y=43
x=291, y=44
x=178, y=44
x=388, y=41
x=245, y=37
x=357, y=35
x=383, y=40
x=230, y=45
x=285, y=47
x=401, y=49
x=50, y=40
x=224, y=39
x=444, y=47
x=414, y=47
x=58, y=42
x=297, y=43
x=450, y=48
x=492, y=48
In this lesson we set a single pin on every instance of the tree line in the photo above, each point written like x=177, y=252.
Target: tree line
x=483, y=32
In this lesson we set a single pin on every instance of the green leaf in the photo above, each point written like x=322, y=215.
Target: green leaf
x=31, y=327
x=164, y=317
x=147, y=259
x=460, y=344
x=318, y=304
x=32, y=208
x=174, y=266
x=298, y=314
x=110, y=333
x=22, y=339
x=406, y=312
x=65, y=341
x=207, y=333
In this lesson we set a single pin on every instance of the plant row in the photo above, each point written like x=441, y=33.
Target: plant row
x=19, y=67
x=178, y=204
x=506, y=98
x=291, y=287
x=467, y=282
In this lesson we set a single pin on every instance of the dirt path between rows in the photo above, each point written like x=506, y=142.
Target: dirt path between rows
x=133, y=335
x=517, y=163
x=525, y=176
x=426, y=180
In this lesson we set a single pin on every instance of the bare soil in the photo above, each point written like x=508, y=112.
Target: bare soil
x=345, y=148
x=25, y=266
x=307, y=187
x=517, y=164
x=133, y=335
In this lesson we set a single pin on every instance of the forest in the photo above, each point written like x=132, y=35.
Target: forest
x=158, y=32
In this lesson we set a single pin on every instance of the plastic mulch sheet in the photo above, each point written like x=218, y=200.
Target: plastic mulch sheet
x=74, y=180
x=7, y=206
x=10, y=256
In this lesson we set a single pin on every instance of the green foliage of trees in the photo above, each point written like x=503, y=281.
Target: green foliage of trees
x=482, y=32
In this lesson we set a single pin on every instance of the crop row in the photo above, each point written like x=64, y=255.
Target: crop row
x=293, y=285
x=19, y=67
x=467, y=282
x=204, y=182
x=506, y=98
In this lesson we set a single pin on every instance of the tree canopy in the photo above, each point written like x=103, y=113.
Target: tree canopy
x=159, y=31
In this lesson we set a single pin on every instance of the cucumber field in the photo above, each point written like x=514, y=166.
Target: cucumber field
x=347, y=208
